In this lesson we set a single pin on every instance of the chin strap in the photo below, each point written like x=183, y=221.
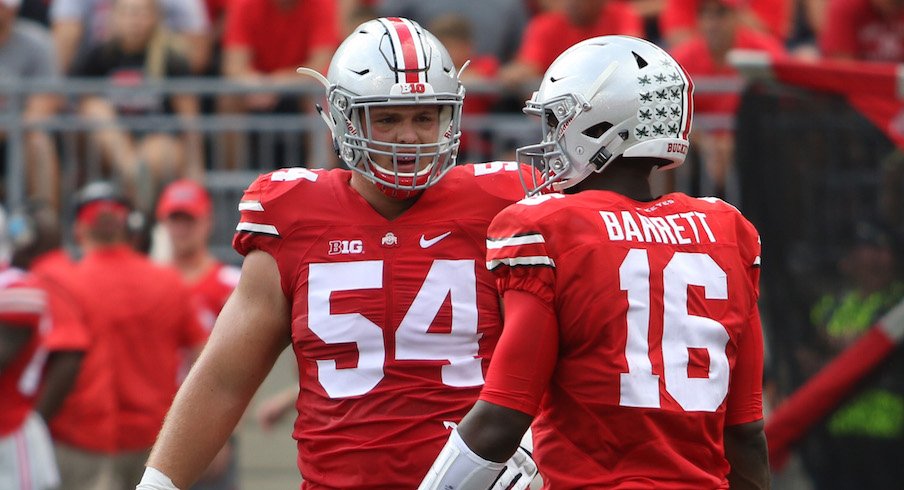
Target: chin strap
x=399, y=194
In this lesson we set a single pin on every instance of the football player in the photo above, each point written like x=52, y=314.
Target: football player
x=632, y=337
x=374, y=275
x=26, y=451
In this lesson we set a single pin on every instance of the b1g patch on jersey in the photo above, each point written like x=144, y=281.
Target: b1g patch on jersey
x=346, y=247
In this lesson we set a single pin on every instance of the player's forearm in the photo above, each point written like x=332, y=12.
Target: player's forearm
x=202, y=417
x=745, y=449
x=59, y=378
x=492, y=431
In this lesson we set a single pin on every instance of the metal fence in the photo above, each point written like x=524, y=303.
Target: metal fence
x=272, y=140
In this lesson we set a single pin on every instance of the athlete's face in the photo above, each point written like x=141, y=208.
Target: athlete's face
x=413, y=124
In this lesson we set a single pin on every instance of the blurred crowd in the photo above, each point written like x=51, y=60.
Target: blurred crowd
x=259, y=43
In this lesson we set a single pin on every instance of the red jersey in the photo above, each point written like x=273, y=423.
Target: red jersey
x=21, y=306
x=657, y=319
x=549, y=35
x=854, y=29
x=53, y=273
x=280, y=38
x=392, y=322
x=695, y=57
x=212, y=290
x=138, y=315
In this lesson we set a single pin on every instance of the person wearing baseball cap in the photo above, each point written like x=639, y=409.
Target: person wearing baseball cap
x=139, y=316
x=185, y=212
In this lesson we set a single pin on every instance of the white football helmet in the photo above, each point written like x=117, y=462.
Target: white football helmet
x=388, y=62
x=607, y=97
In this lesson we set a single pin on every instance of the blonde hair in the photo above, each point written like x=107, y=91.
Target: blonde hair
x=160, y=47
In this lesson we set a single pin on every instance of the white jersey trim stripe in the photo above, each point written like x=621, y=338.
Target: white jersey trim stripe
x=251, y=206
x=756, y=261
x=257, y=228
x=511, y=262
x=496, y=243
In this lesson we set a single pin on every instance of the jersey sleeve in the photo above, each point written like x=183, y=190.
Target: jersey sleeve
x=258, y=227
x=504, y=179
x=518, y=255
x=22, y=306
x=745, y=396
x=526, y=355
x=750, y=248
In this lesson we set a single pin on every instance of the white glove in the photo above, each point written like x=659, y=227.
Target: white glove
x=519, y=471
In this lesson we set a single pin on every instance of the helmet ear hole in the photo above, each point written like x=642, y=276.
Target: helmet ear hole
x=597, y=130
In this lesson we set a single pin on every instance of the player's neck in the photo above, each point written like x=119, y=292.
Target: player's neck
x=193, y=265
x=388, y=207
x=630, y=182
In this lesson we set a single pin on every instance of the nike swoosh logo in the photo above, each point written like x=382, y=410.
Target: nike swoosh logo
x=425, y=243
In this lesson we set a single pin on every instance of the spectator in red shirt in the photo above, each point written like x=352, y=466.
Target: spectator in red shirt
x=138, y=315
x=871, y=30
x=185, y=211
x=549, y=34
x=455, y=32
x=678, y=20
x=706, y=55
x=266, y=40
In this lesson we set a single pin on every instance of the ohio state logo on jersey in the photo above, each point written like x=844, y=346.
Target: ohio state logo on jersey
x=389, y=240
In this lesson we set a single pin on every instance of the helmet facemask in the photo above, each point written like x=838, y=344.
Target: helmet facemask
x=555, y=167
x=400, y=170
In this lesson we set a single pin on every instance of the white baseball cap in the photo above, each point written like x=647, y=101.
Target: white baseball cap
x=11, y=3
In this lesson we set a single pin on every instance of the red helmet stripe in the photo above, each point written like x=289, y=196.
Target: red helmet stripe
x=409, y=57
x=689, y=109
